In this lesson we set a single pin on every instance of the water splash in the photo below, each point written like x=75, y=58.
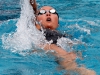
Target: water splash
x=26, y=36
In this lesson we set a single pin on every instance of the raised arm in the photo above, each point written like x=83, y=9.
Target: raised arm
x=34, y=5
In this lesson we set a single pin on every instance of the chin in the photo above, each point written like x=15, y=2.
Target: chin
x=49, y=27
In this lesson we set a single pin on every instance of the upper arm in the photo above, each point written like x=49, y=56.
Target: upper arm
x=59, y=52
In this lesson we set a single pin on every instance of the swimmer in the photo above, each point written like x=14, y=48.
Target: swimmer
x=48, y=18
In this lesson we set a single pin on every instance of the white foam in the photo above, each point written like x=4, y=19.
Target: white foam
x=26, y=35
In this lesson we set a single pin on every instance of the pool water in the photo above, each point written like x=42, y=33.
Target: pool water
x=78, y=18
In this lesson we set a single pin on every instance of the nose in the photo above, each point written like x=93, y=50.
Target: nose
x=48, y=14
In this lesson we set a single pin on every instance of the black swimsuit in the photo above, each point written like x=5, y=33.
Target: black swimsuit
x=52, y=35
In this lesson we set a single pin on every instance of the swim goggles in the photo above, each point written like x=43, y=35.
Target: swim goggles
x=52, y=11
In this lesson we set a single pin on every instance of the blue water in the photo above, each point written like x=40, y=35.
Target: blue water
x=78, y=18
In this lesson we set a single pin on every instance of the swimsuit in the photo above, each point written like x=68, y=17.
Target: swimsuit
x=52, y=35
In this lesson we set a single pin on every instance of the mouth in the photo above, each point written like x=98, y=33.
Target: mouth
x=48, y=19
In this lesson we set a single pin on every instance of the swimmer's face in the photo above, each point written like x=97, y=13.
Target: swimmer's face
x=48, y=18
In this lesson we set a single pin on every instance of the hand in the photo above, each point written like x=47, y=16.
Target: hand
x=32, y=2
x=34, y=5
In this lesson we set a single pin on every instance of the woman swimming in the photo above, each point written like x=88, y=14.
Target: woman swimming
x=48, y=19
